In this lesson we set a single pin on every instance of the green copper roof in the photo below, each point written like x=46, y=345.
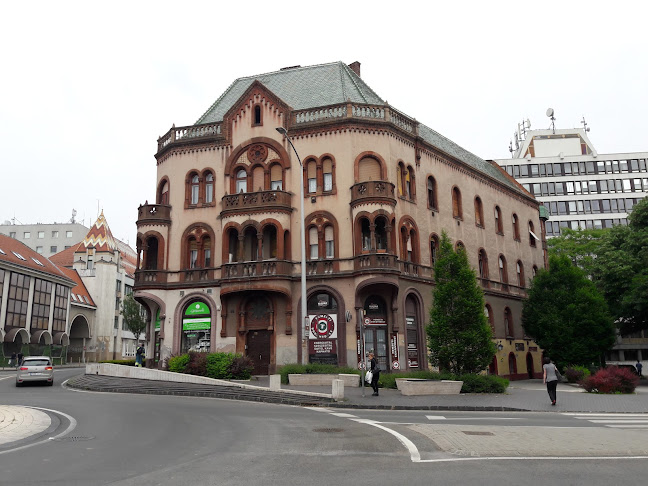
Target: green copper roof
x=321, y=85
x=300, y=88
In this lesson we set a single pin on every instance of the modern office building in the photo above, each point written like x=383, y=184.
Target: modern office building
x=34, y=303
x=580, y=187
x=46, y=239
x=219, y=252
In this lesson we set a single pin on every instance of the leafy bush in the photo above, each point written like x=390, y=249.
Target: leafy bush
x=576, y=374
x=241, y=367
x=125, y=362
x=197, y=364
x=483, y=384
x=177, y=364
x=218, y=365
x=313, y=368
x=611, y=380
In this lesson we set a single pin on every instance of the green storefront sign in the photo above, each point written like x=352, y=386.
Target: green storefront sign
x=197, y=308
x=196, y=324
x=157, y=320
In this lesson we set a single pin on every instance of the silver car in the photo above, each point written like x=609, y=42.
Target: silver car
x=35, y=368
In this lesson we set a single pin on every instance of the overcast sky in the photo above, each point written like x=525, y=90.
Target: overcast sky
x=86, y=87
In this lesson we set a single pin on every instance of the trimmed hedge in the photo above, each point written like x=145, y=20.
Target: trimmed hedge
x=125, y=362
x=314, y=369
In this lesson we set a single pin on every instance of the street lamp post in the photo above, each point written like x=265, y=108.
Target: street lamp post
x=284, y=132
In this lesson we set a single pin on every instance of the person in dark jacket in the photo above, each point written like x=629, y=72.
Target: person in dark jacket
x=20, y=359
x=375, y=370
x=13, y=359
x=139, y=355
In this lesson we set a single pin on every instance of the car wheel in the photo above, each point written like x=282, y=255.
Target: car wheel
x=50, y=383
x=19, y=384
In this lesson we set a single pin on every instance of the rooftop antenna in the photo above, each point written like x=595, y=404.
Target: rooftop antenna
x=511, y=147
x=550, y=114
x=585, y=127
x=74, y=213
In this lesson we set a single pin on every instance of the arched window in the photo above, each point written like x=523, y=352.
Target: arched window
x=257, y=115
x=520, y=273
x=532, y=235
x=369, y=169
x=327, y=172
x=457, y=211
x=276, y=178
x=163, y=194
x=491, y=318
x=241, y=181
x=409, y=183
x=195, y=189
x=479, y=212
x=152, y=249
x=232, y=246
x=459, y=246
x=381, y=234
x=432, y=194
x=434, y=249
x=508, y=323
x=366, y=234
x=250, y=244
x=329, y=241
x=483, y=264
x=534, y=271
x=516, y=228
x=313, y=243
x=269, y=242
x=206, y=249
x=209, y=188
x=512, y=364
x=503, y=273
x=193, y=253
x=400, y=179
x=498, y=221
x=312, y=177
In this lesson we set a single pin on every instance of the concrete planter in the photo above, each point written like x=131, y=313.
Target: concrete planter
x=417, y=386
x=323, y=379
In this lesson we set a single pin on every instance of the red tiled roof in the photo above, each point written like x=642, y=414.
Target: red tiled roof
x=99, y=237
x=80, y=294
x=65, y=258
x=10, y=248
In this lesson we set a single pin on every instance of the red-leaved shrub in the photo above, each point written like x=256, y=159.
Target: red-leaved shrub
x=611, y=380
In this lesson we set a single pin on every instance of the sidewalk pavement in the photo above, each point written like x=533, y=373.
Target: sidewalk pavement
x=18, y=423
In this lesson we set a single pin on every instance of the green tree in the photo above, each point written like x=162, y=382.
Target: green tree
x=567, y=315
x=581, y=246
x=133, y=319
x=621, y=270
x=459, y=336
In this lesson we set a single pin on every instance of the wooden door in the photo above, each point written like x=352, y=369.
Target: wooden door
x=258, y=350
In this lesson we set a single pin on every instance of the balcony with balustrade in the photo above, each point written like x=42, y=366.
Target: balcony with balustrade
x=379, y=192
x=152, y=214
x=253, y=269
x=256, y=202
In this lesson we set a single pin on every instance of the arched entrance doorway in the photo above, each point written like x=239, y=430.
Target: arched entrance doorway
x=415, y=342
x=492, y=367
x=258, y=340
x=79, y=333
x=196, y=327
x=375, y=324
x=512, y=366
x=323, y=329
x=529, y=363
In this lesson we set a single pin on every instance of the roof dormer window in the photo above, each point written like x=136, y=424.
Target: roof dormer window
x=19, y=256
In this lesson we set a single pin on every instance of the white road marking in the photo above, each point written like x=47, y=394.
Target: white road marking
x=628, y=426
x=435, y=417
x=615, y=421
x=592, y=415
x=343, y=415
x=415, y=456
x=70, y=428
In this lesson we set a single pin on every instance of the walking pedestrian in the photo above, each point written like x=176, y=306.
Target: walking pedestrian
x=19, y=358
x=550, y=377
x=12, y=360
x=639, y=367
x=139, y=355
x=375, y=370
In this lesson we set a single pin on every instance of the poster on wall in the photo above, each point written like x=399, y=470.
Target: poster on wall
x=322, y=326
x=323, y=351
x=394, y=351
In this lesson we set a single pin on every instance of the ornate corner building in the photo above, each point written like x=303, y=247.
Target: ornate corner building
x=219, y=253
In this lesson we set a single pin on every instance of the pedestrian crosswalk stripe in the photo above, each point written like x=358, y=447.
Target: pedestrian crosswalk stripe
x=614, y=420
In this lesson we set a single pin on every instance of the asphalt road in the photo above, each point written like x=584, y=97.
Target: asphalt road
x=165, y=440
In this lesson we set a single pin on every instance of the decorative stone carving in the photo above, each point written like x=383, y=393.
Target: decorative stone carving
x=257, y=153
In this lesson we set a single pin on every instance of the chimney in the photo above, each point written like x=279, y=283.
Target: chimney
x=355, y=67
